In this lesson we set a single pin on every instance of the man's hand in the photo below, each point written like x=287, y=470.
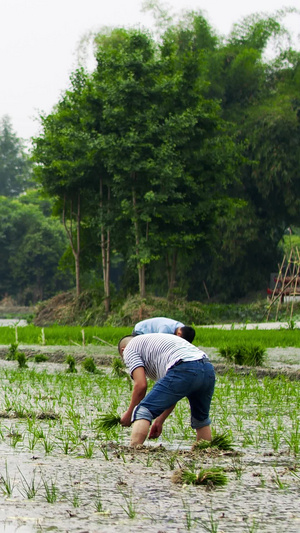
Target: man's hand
x=156, y=430
x=126, y=419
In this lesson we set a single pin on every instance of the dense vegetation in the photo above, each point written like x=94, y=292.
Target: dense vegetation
x=172, y=169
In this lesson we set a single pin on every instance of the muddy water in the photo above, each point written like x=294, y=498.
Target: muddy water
x=121, y=490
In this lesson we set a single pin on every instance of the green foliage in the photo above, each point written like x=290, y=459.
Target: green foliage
x=12, y=351
x=247, y=354
x=107, y=422
x=118, y=367
x=22, y=359
x=40, y=358
x=211, y=476
x=70, y=360
x=221, y=441
x=15, y=355
x=89, y=365
x=31, y=246
x=62, y=335
x=14, y=163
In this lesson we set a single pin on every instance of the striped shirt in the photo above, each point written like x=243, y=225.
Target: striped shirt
x=158, y=352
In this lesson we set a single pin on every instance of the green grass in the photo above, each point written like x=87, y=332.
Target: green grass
x=209, y=337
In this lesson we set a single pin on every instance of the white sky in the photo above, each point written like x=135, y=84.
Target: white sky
x=39, y=39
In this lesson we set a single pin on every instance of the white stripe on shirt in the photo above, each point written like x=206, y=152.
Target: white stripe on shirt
x=158, y=352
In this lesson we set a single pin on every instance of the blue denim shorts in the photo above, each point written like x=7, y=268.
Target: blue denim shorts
x=194, y=380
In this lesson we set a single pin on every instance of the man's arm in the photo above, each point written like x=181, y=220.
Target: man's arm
x=157, y=425
x=138, y=393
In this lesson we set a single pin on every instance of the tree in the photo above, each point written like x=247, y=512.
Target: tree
x=31, y=246
x=62, y=153
x=14, y=163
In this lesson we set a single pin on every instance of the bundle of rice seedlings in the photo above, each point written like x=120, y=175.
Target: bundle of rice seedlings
x=222, y=442
x=119, y=370
x=108, y=421
x=118, y=367
x=212, y=475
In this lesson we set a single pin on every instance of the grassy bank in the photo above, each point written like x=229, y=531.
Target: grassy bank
x=210, y=337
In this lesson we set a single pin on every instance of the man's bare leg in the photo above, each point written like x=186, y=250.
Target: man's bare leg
x=204, y=433
x=139, y=433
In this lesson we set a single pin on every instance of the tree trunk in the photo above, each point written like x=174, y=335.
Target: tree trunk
x=105, y=251
x=69, y=230
x=140, y=266
x=171, y=272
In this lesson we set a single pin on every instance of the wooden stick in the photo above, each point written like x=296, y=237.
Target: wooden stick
x=101, y=340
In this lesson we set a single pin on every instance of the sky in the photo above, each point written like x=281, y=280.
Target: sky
x=39, y=42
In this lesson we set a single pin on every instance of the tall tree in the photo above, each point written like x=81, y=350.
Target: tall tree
x=14, y=163
x=62, y=151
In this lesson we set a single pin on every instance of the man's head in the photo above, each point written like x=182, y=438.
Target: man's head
x=186, y=332
x=123, y=343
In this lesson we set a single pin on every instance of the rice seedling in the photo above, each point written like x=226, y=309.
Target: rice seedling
x=293, y=440
x=238, y=466
x=40, y=358
x=51, y=491
x=250, y=355
x=212, y=525
x=278, y=481
x=104, y=451
x=252, y=528
x=29, y=488
x=22, y=360
x=89, y=365
x=189, y=520
x=70, y=360
x=15, y=438
x=171, y=459
x=107, y=421
x=88, y=448
x=6, y=484
x=222, y=441
x=213, y=476
x=119, y=370
x=129, y=507
x=48, y=445
x=12, y=351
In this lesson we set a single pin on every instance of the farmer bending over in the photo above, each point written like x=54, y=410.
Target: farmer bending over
x=179, y=369
x=161, y=324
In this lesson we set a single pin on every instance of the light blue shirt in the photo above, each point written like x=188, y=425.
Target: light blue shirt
x=158, y=324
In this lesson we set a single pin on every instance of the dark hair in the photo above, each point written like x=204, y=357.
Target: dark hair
x=188, y=333
x=120, y=342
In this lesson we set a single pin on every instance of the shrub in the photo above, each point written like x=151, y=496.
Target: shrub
x=245, y=354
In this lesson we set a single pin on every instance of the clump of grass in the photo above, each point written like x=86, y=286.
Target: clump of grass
x=22, y=360
x=118, y=367
x=107, y=421
x=70, y=360
x=12, y=351
x=223, y=441
x=15, y=355
x=89, y=365
x=244, y=354
x=207, y=476
x=119, y=370
x=40, y=358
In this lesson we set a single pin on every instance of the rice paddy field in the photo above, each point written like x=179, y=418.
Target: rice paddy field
x=60, y=471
